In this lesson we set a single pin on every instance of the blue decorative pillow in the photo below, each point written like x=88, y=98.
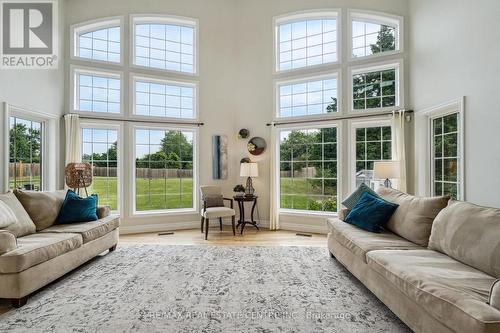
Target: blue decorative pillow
x=371, y=213
x=351, y=201
x=76, y=209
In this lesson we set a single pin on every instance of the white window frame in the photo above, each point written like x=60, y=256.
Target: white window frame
x=49, y=139
x=353, y=126
x=132, y=174
x=111, y=125
x=398, y=65
x=157, y=79
x=319, y=14
x=103, y=23
x=377, y=18
x=296, y=212
x=165, y=19
x=74, y=93
x=424, y=145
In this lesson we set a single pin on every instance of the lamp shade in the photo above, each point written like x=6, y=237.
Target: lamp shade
x=386, y=170
x=249, y=170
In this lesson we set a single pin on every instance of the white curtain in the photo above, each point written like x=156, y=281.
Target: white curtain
x=72, y=127
x=398, y=147
x=274, y=216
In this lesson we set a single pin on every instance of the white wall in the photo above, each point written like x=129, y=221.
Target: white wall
x=454, y=52
x=39, y=90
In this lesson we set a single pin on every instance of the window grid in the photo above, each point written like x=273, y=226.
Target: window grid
x=98, y=93
x=370, y=38
x=303, y=44
x=164, y=100
x=164, y=169
x=102, y=44
x=446, y=156
x=372, y=144
x=308, y=169
x=165, y=46
x=308, y=98
x=374, y=89
x=25, y=160
x=99, y=148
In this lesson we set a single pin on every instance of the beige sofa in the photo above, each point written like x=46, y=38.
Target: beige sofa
x=34, y=252
x=442, y=276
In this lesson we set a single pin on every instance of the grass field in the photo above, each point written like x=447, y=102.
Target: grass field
x=175, y=193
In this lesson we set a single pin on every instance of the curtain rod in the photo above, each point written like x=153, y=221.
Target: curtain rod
x=336, y=118
x=142, y=120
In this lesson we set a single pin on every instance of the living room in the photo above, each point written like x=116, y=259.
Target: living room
x=265, y=165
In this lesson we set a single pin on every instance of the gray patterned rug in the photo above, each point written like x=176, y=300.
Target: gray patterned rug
x=206, y=289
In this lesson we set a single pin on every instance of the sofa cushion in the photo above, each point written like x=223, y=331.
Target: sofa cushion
x=215, y=212
x=371, y=213
x=42, y=206
x=34, y=249
x=24, y=225
x=470, y=234
x=88, y=230
x=7, y=216
x=8, y=241
x=360, y=242
x=414, y=216
x=453, y=293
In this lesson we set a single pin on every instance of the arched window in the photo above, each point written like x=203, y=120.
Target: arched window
x=374, y=34
x=165, y=43
x=305, y=40
x=99, y=41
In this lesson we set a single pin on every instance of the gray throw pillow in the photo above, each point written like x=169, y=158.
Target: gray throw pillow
x=7, y=216
x=213, y=201
x=351, y=201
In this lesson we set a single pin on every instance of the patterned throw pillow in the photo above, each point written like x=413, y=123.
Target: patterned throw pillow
x=351, y=201
x=213, y=201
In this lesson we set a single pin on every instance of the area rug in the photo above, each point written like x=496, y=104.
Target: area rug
x=145, y=288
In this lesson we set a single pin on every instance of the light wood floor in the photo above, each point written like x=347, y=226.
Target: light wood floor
x=251, y=237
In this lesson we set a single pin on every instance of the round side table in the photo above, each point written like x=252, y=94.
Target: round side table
x=241, y=205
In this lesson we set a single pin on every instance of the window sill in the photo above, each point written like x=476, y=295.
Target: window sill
x=307, y=213
x=187, y=211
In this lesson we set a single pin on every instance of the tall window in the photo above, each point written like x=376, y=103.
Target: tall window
x=164, y=177
x=164, y=99
x=306, y=40
x=308, y=97
x=308, y=169
x=446, y=155
x=97, y=92
x=100, y=149
x=374, y=34
x=165, y=44
x=372, y=144
x=25, y=150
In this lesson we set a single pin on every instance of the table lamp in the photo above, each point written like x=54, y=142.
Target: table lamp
x=249, y=170
x=386, y=170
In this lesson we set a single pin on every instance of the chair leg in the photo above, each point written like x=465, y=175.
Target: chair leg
x=220, y=222
x=233, y=223
x=206, y=229
x=202, y=221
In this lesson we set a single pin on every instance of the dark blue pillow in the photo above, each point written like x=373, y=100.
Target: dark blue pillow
x=371, y=213
x=76, y=209
x=351, y=201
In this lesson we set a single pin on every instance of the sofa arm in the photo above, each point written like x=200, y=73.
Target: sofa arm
x=8, y=241
x=343, y=212
x=494, y=299
x=103, y=211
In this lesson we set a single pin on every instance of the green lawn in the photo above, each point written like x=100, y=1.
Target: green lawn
x=307, y=194
x=150, y=193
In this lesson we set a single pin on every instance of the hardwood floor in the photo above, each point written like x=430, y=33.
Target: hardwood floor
x=251, y=237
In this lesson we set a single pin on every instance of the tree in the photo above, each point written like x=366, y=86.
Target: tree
x=332, y=107
x=176, y=151
x=385, y=40
x=24, y=144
